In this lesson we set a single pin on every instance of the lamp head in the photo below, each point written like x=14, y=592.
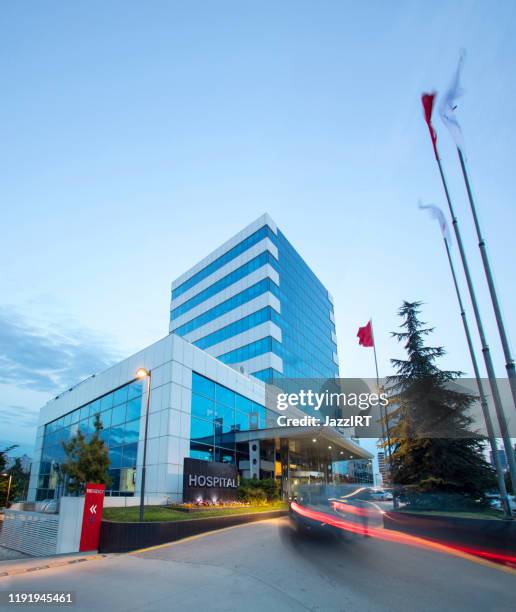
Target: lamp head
x=142, y=373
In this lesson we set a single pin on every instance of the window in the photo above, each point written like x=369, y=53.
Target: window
x=129, y=455
x=115, y=480
x=84, y=428
x=201, y=430
x=135, y=389
x=242, y=421
x=115, y=457
x=225, y=416
x=127, y=481
x=131, y=432
x=201, y=451
x=116, y=436
x=224, y=455
x=120, y=396
x=203, y=386
x=118, y=415
x=105, y=419
x=134, y=407
x=203, y=407
x=106, y=402
x=243, y=404
x=225, y=396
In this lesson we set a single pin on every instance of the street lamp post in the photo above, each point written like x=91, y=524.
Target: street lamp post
x=8, y=487
x=144, y=373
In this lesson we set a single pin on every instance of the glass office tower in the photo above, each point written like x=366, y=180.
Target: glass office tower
x=256, y=305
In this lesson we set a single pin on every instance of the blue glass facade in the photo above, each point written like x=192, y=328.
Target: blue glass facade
x=119, y=413
x=217, y=412
x=252, y=265
x=307, y=348
x=249, y=294
x=249, y=351
x=244, y=324
x=263, y=232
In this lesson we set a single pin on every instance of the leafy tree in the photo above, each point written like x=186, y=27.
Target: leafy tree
x=20, y=480
x=4, y=481
x=434, y=452
x=87, y=460
x=4, y=456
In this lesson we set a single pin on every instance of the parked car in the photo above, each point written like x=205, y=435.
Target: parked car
x=496, y=503
x=381, y=495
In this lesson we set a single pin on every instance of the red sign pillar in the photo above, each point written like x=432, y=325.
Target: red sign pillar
x=92, y=516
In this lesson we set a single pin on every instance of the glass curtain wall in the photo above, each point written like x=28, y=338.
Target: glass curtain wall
x=217, y=412
x=119, y=413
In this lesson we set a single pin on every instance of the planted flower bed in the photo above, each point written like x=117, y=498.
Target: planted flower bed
x=206, y=505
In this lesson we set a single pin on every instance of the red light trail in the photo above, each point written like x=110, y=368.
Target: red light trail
x=394, y=536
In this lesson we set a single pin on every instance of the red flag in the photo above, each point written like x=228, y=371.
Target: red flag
x=365, y=335
x=428, y=100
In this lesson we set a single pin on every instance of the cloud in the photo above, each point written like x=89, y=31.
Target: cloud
x=49, y=358
x=21, y=415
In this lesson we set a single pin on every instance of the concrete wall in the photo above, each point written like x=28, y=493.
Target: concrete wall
x=71, y=510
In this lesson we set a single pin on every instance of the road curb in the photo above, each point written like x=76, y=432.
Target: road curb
x=122, y=537
x=15, y=571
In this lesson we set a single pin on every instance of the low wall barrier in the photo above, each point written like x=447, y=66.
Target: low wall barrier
x=32, y=533
x=481, y=534
x=40, y=534
x=125, y=537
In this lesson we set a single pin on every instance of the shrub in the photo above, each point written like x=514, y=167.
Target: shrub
x=258, y=491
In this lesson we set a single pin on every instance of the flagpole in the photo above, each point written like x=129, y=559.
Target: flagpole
x=385, y=425
x=485, y=409
x=511, y=462
x=509, y=361
x=375, y=359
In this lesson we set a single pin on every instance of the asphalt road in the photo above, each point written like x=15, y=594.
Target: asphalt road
x=267, y=566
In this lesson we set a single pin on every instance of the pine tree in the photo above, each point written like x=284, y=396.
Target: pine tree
x=435, y=454
x=87, y=461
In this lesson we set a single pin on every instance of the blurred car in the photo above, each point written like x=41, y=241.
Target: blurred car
x=336, y=509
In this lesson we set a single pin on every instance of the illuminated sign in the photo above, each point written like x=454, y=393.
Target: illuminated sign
x=209, y=481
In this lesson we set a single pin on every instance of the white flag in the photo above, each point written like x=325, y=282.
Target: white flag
x=449, y=104
x=436, y=213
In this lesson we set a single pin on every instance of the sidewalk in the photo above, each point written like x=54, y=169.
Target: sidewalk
x=7, y=554
x=12, y=567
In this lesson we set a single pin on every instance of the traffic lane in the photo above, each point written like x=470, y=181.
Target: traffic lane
x=394, y=576
x=363, y=572
x=267, y=566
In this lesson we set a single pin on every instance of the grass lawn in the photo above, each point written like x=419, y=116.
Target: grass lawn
x=485, y=513
x=162, y=513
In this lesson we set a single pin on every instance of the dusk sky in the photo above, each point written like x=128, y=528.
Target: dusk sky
x=138, y=137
